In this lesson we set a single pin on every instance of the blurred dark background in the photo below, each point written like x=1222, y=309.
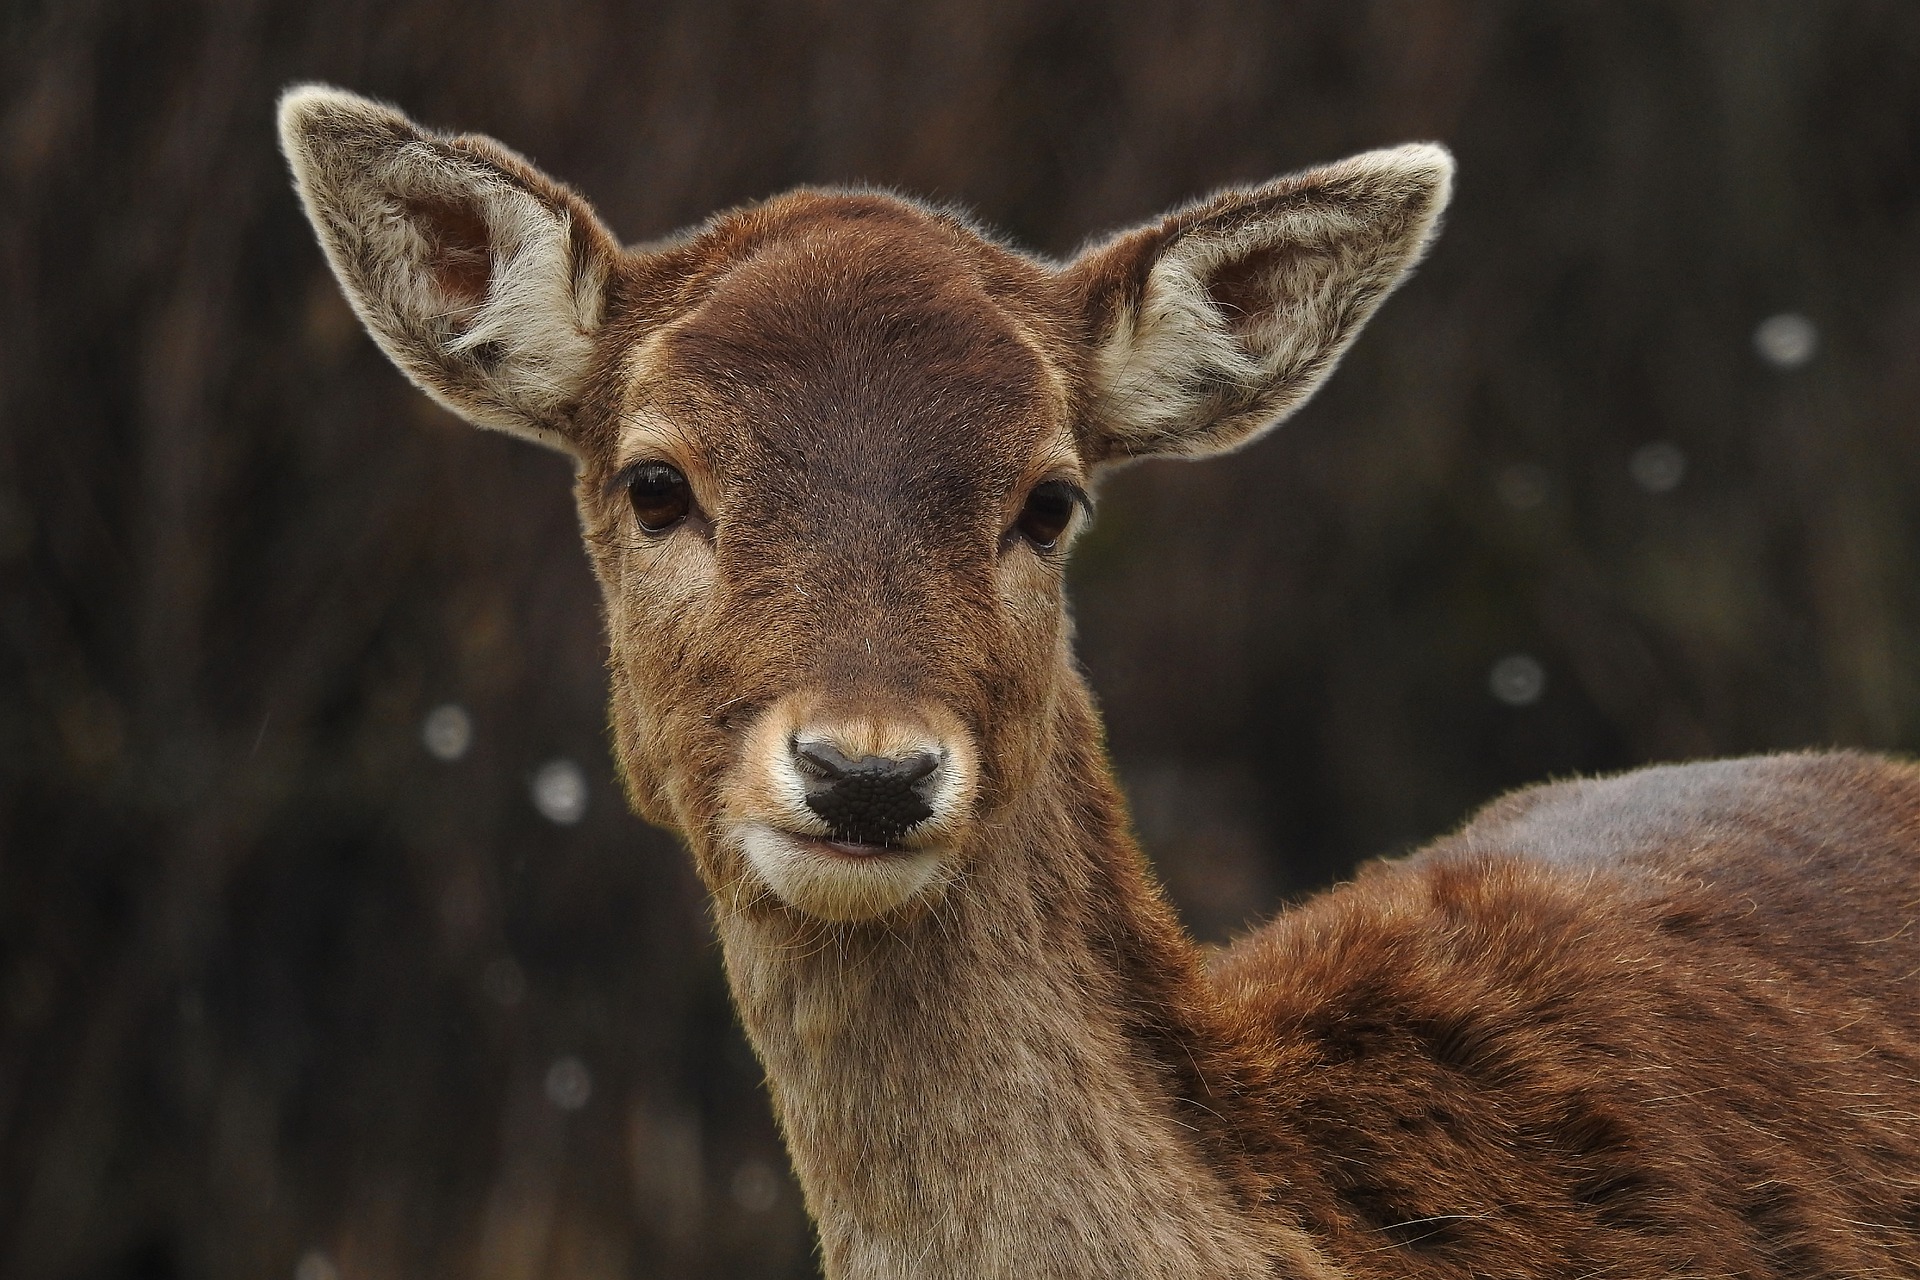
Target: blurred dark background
x=327, y=948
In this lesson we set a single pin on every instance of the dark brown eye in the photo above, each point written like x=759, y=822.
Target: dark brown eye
x=660, y=495
x=1048, y=512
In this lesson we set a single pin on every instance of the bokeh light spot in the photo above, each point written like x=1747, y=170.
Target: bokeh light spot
x=560, y=792
x=756, y=1187
x=1786, y=341
x=315, y=1265
x=568, y=1084
x=447, y=731
x=1658, y=467
x=1518, y=680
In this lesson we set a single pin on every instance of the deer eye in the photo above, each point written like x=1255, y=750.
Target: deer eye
x=660, y=495
x=1048, y=512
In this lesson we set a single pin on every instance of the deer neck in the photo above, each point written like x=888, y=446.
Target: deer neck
x=1010, y=1084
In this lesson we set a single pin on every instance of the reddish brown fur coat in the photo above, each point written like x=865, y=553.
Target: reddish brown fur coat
x=1663, y=1024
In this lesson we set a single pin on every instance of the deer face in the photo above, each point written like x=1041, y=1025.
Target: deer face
x=829, y=509
x=832, y=451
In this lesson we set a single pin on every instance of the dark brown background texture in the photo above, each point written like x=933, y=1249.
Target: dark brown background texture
x=282, y=994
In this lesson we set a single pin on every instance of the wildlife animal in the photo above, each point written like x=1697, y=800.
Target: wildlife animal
x=832, y=450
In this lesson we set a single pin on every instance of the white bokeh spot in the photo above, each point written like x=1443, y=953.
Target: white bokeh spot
x=560, y=792
x=568, y=1084
x=1518, y=680
x=1786, y=341
x=447, y=731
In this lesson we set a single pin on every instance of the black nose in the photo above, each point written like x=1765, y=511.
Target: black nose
x=872, y=800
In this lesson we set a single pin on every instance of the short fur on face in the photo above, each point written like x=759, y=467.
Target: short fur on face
x=862, y=392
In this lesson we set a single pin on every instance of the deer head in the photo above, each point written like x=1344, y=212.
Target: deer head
x=832, y=452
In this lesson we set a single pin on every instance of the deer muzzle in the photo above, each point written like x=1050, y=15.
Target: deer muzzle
x=874, y=800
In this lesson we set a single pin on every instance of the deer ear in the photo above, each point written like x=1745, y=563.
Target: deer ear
x=1215, y=323
x=482, y=278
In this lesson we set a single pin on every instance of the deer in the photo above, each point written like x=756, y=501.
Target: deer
x=831, y=451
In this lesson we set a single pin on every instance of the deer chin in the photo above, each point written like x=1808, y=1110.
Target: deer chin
x=836, y=881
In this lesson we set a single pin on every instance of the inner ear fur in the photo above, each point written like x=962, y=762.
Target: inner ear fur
x=1213, y=324
x=480, y=276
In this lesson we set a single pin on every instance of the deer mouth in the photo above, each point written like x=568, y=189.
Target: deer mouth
x=837, y=846
x=854, y=848
x=841, y=880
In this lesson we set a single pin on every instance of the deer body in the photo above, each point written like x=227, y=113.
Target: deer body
x=831, y=451
x=1662, y=1024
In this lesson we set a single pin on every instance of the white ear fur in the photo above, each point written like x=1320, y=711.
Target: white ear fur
x=1249, y=299
x=481, y=278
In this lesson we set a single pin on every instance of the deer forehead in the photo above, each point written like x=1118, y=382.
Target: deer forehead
x=841, y=353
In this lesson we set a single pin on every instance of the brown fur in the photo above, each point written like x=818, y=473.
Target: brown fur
x=1656, y=1025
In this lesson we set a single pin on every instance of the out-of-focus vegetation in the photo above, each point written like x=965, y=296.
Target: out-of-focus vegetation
x=327, y=948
